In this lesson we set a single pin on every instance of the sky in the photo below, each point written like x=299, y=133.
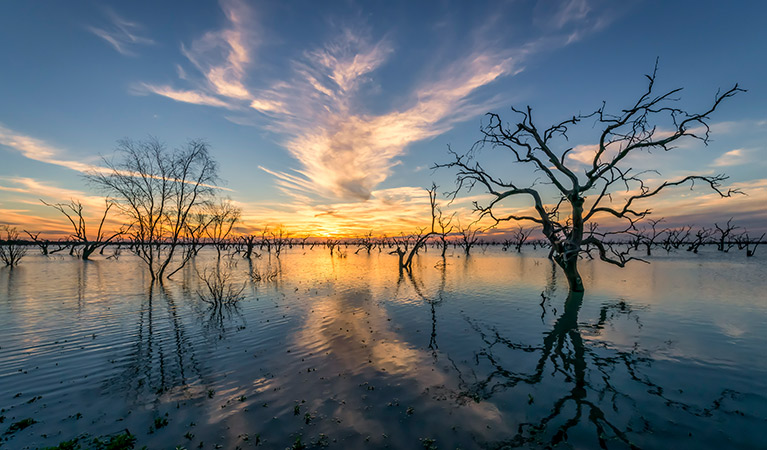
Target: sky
x=327, y=117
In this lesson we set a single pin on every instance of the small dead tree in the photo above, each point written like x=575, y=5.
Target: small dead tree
x=676, y=237
x=468, y=237
x=195, y=228
x=520, y=236
x=649, y=236
x=744, y=242
x=445, y=228
x=367, y=242
x=724, y=241
x=223, y=216
x=701, y=237
x=250, y=243
x=409, y=245
x=606, y=188
x=44, y=244
x=280, y=239
x=11, y=249
x=74, y=213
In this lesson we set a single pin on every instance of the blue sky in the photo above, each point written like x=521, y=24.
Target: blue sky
x=327, y=116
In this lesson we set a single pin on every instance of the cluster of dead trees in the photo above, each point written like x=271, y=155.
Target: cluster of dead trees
x=169, y=197
x=215, y=230
x=725, y=237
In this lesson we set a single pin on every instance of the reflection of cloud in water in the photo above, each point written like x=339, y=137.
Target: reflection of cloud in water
x=731, y=330
x=355, y=337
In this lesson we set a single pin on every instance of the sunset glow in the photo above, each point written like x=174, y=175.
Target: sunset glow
x=327, y=120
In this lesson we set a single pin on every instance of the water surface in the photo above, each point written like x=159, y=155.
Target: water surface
x=480, y=352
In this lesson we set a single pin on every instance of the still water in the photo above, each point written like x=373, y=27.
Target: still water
x=480, y=352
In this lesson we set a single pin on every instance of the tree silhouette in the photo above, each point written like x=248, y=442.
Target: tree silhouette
x=159, y=190
x=74, y=213
x=613, y=188
x=11, y=249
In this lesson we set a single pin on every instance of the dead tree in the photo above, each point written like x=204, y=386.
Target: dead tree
x=520, y=236
x=401, y=244
x=74, y=213
x=701, y=237
x=11, y=249
x=44, y=244
x=265, y=240
x=250, y=242
x=158, y=190
x=606, y=188
x=196, y=226
x=676, y=237
x=367, y=243
x=468, y=237
x=649, y=236
x=744, y=243
x=445, y=228
x=407, y=246
x=724, y=239
x=280, y=238
x=421, y=236
x=223, y=216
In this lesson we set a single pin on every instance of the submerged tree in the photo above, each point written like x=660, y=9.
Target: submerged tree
x=223, y=216
x=159, y=190
x=11, y=249
x=74, y=213
x=607, y=176
x=403, y=249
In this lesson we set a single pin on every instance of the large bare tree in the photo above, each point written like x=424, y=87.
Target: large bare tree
x=159, y=190
x=607, y=187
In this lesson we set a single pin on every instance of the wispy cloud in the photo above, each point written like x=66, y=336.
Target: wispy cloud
x=348, y=152
x=223, y=56
x=194, y=97
x=39, y=150
x=345, y=150
x=571, y=11
x=122, y=34
x=734, y=157
x=49, y=192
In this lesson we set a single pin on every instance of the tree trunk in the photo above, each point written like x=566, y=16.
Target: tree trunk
x=570, y=267
x=88, y=251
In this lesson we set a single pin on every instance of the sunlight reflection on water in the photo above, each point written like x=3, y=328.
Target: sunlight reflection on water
x=481, y=351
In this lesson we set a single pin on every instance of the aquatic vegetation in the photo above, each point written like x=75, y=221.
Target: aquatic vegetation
x=20, y=425
x=119, y=441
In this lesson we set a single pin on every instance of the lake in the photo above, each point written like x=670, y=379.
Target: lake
x=486, y=351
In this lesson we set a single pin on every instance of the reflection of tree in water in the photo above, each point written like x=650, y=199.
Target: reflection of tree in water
x=585, y=367
x=432, y=301
x=218, y=320
x=163, y=357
